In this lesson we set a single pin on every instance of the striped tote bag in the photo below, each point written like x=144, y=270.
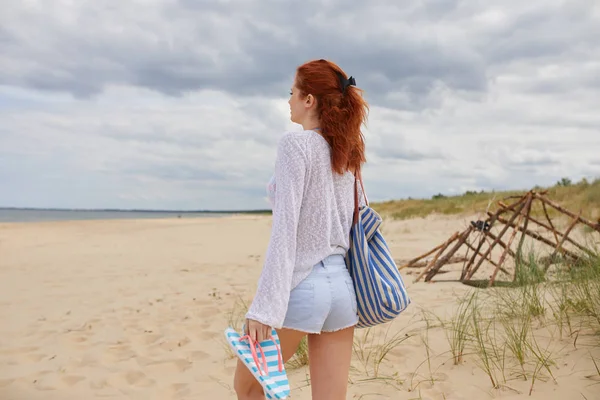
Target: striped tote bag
x=380, y=291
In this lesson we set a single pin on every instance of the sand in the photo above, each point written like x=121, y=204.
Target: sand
x=135, y=309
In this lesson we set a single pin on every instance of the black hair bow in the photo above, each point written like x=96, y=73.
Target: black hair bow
x=345, y=82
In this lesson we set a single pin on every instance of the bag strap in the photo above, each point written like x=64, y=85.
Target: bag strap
x=358, y=178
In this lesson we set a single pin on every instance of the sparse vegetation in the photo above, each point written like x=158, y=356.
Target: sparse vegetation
x=517, y=332
x=502, y=326
x=371, y=348
x=582, y=195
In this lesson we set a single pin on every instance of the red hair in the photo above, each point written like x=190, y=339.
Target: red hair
x=341, y=112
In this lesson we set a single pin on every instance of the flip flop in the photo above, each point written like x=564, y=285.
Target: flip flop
x=264, y=360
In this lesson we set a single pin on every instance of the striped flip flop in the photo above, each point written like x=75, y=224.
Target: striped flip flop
x=264, y=360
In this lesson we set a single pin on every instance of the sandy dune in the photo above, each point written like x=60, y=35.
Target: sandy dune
x=136, y=310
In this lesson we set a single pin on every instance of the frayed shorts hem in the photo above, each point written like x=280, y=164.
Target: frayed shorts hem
x=340, y=329
x=293, y=328
x=318, y=332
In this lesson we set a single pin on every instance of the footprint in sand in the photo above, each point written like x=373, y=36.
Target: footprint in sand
x=174, y=391
x=45, y=380
x=144, y=361
x=168, y=367
x=35, y=357
x=402, y=352
x=138, y=378
x=230, y=371
x=77, y=338
x=207, y=335
x=87, y=360
x=71, y=380
x=18, y=350
x=198, y=355
x=98, y=384
x=6, y=382
x=43, y=334
x=440, y=376
x=119, y=352
x=130, y=378
x=170, y=345
x=208, y=311
x=202, y=303
x=146, y=338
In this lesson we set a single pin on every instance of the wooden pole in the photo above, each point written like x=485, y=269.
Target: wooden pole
x=443, y=248
x=540, y=238
x=489, y=250
x=453, y=260
x=501, y=243
x=557, y=234
x=489, y=260
x=595, y=227
x=552, y=228
x=512, y=237
x=558, y=246
x=467, y=269
x=443, y=260
x=414, y=260
x=526, y=215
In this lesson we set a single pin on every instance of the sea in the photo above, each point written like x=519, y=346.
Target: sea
x=39, y=215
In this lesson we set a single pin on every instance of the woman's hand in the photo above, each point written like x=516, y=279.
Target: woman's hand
x=257, y=331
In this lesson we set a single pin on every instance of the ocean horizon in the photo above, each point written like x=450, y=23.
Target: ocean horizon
x=53, y=214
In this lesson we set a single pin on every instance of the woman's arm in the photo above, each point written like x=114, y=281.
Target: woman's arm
x=270, y=303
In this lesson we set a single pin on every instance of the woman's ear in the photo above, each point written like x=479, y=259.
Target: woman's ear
x=310, y=101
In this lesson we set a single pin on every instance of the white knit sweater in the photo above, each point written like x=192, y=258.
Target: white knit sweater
x=312, y=217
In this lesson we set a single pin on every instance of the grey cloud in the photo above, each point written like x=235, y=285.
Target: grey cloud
x=535, y=162
x=255, y=46
x=254, y=49
x=539, y=32
x=588, y=79
x=162, y=136
x=407, y=154
x=179, y=173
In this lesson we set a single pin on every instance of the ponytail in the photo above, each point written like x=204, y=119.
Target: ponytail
x=341, y=110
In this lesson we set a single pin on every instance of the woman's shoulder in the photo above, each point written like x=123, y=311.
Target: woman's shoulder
x=305, y=140
x=299, y=135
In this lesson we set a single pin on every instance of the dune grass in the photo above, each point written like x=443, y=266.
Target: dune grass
x=582, y=195
x=372, y=346
x=506, y=329
x=511, y=333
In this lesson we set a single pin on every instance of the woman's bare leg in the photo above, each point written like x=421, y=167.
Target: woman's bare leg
x=245, y=384
x=330, y=354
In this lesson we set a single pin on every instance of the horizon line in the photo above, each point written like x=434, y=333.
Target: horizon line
x=136, y=210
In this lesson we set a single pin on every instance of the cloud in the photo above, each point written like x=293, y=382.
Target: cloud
x=179, y=104
x=246, y=48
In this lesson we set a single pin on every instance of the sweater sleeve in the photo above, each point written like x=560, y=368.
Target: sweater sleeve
x=270, y=302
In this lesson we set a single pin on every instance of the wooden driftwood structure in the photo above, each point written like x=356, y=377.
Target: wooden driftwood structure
x=499, y=231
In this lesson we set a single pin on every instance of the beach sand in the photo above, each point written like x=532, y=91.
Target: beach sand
x=135, y=309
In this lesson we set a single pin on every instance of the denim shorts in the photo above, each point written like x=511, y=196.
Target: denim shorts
x=324, y=301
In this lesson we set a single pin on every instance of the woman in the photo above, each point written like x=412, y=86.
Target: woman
x=305, y=288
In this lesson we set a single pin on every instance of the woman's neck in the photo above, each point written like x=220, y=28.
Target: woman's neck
x=311, y=124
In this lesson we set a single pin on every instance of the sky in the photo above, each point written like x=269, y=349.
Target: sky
x=179, y=104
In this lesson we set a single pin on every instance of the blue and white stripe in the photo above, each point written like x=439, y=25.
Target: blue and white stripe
x=275, y=384
x=380, y=291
